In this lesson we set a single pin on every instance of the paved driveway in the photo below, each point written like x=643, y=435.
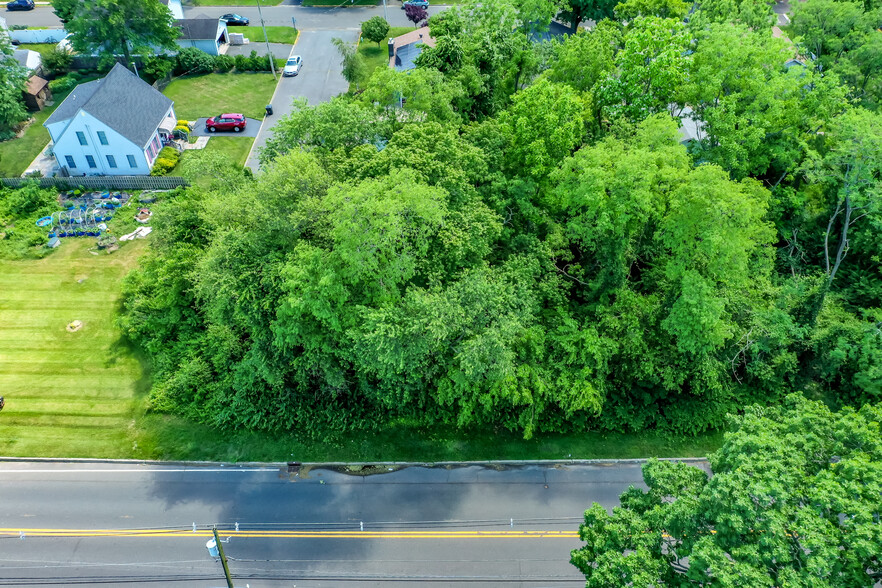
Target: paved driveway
x=319, y=80
x=251, y=129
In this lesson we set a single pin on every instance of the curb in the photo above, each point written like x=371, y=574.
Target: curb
x=399, y=464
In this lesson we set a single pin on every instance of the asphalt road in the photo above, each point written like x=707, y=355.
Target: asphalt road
x=307, y=17
x=319, y=79
x=104, y=524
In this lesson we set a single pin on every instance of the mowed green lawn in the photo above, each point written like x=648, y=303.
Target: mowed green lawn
x=67, y=394
x=286, y=35
x=211, y=94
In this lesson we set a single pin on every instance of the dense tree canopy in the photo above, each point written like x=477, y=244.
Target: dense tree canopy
x=521, y=234
x=112, y=28
x=793, y=501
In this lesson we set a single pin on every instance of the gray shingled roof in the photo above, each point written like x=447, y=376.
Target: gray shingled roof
x=197, y=29
x=121, y=100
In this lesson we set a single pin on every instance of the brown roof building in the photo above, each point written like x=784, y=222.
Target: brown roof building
x=405, y=49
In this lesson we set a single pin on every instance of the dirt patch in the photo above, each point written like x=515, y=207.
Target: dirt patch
x=74, y=326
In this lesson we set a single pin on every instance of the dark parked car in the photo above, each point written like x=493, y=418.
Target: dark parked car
x=20, y=5
x=420, y=3
x=235, y=20
x=225, y=122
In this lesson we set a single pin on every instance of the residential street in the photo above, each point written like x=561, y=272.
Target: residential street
x=319, y=79
x=505, y=526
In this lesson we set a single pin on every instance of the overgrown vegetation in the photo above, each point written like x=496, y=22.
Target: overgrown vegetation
x=516, y=236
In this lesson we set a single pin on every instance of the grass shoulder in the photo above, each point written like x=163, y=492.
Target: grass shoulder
x=173, y=438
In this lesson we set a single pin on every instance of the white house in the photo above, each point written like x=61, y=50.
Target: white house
x=174, y=6
x=208, y=34
x=112, y=126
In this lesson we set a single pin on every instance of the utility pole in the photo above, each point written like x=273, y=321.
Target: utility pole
x=223, y=558
x=385, y=16
x=271, y=58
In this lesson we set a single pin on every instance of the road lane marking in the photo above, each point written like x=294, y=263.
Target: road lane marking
x=162, y=533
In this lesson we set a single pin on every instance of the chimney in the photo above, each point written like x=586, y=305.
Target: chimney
x=391, y=47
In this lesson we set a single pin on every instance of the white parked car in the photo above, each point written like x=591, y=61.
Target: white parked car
x=292, y=66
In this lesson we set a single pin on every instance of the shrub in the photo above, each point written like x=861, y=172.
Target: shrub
x=224, y=62
x=157, y=67
x=193, y=60
x=63, y=84
x=162, y=166
x=165, y=162
x=57, y=62
x=241, y=62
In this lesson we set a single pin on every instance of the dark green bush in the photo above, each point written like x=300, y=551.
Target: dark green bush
x=194, y=61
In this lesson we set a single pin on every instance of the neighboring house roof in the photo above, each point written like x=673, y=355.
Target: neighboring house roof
x=555, y=30
x=28, y=59
x=198, y=29
x=405, y=49
x=690, y=128
x=35, y=85
x=121, y=100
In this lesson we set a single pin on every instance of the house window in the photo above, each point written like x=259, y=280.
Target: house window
x=81, y=137
x=111, y=161
x=156, y=144
x=102, y=138
x=90, y=160
x=70, y=162
x=132, y=162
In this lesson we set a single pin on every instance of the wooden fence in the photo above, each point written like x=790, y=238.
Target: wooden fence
x=102, y=182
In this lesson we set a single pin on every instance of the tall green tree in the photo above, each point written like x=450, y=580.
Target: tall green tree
x=354, y=67
x=755, y=115
x=65, y=10
x=650, y=69
x=112, y=28
x=375, y=29
x=850, y=170
x=13, y=78
x=793, y=501
x=578, y=11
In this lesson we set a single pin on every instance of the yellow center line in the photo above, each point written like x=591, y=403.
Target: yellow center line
x=293, y=534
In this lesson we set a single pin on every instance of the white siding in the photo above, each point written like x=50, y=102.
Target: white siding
x=67, y=144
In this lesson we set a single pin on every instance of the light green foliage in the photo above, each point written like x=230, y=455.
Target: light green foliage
x=337, y=124
x=502, y=239
x=754, y=14
x=484, y=47
x=845, y=39
x=756, y=114
x=375, y=29
x=354, y=67
x=65, y=9
x=417, y=95
x=793, y=500
x=13, y=78
x=122, y=27
x=714, y=232
x=851, y=173
x=585, y=58
x=631, y=9
x=651, y=68
x=545, y=123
